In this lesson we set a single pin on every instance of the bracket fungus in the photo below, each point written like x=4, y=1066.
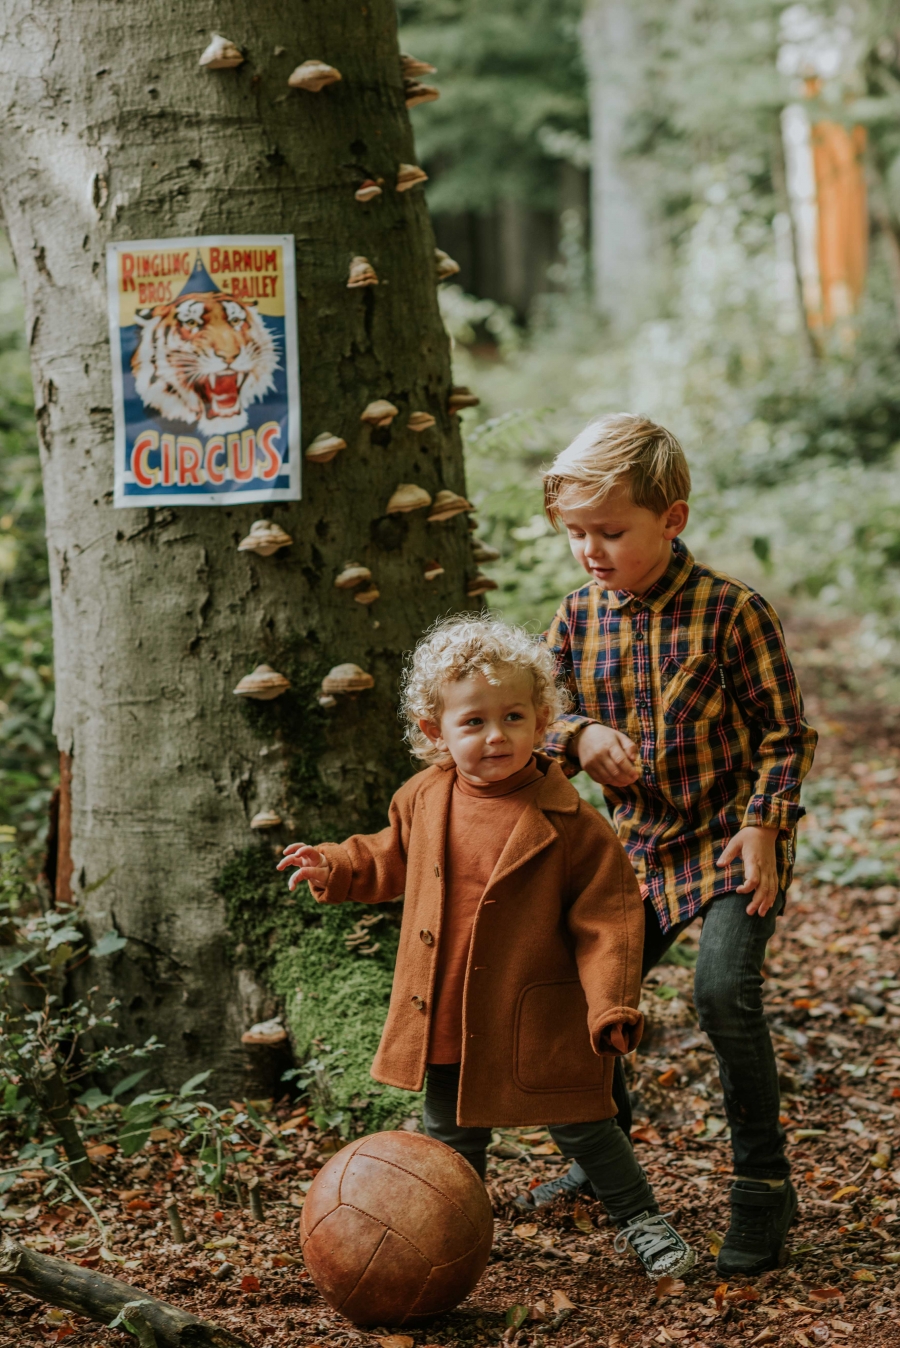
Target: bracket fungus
x=445, y=266
x=266, y=819
x=313, y=76
x=346, y=679
x=483, y=552
x=324, y=447
x=407, y=497
x=410, y=175
x=480, y=584
x=268, y=1032
x=264, y=684
x=416, y=93
x=265, y=538
x=460, y=397
x=379, y=413
x=326, y=701
x=432, y=570
x=367, y=190
x=367, y=596
x=412, y=68
x=446, y=505
x=352, y=574
x=221, y=54
x=362, y=273
x=420, y=421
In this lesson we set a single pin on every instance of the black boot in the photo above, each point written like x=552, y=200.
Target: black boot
x=760, y=1218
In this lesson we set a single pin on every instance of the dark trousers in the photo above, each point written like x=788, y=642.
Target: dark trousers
x=728, y=996
x=601, y=1149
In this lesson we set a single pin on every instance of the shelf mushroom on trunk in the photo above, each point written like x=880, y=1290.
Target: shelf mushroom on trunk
x=263, y=684
x=361, y=274
x=324, y=447
x=446, y=505
x=314, y=76
x=265, y=538
x=221, y=54
x=407, y=497
x=379, y=413
x=347, y=678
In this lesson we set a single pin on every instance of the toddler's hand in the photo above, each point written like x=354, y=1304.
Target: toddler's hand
x=756, y=848
x=607, y=755
x=313, y=865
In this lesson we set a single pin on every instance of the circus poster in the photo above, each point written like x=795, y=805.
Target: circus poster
x=206, y=388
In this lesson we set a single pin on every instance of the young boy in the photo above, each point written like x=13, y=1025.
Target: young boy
x=518, y=969
x=689, y=715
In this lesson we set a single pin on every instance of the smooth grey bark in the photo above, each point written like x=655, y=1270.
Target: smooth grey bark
x=621, y=240
x=109, y=130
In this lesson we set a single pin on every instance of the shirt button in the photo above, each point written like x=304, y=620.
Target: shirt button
x=639, y=636
x=426, y=938
x=418, y=1003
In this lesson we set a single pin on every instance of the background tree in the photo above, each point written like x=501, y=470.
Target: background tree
x=111, y=131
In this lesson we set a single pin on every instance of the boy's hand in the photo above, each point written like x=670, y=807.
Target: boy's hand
x=616, y=1037
x=313, y=865
x=756, y=848
x=607, y=755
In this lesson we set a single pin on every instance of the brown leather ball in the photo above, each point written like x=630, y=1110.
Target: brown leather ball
x=395, y=1229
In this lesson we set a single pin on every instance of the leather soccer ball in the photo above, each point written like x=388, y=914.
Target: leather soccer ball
x=396, y=1228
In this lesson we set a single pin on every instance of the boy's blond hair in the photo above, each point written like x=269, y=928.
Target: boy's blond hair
x=456, y=648
x=621, y=450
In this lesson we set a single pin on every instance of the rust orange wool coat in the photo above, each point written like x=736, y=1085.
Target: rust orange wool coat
x=555, y=956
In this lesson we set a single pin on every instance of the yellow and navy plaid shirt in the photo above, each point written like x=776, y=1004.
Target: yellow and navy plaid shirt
x=696, y=673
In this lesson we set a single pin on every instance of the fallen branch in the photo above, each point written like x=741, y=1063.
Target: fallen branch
x=102, y=1299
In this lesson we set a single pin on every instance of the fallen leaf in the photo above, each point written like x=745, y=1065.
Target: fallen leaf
x=863, y=1275
x=126, y=1195
x=767, y=1335
x=545, y=1149
x=647, y=1133
x=221, y=1243
x=842, y=1325
x=819, y=1332
x=579, y=1257
x=800, y=1337
x=526, y=1231
x=250, y=1283
x=720, y=1294
x=562, y=1303
x=826, y=1294
x=139, y=1205
x=161, y=1135
x=395, y=1341
x=515, y=1319
x=668, y=1287
x=806, y=1134
x=582, y=1218
x=285, y=1261
x=844, y=1192
x=716, y=1240
x=297, y=1200
x=742, y=1294
x=101, y=1152
x=668, y=1078
x=539, y=1311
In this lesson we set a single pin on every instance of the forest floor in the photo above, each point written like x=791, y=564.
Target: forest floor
x=833, y=997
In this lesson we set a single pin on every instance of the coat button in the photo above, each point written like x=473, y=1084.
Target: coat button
x=426, y=938
x=437, y=871
x=418, y=1003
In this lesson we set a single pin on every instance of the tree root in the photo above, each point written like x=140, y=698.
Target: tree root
x=101, y=1299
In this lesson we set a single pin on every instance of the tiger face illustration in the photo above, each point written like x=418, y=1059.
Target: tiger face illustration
x=204, y=358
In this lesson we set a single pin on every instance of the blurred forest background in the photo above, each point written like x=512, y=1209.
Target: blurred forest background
x=611, y=177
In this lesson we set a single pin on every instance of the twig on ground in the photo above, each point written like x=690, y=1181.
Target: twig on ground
x=175, y=1225
x=103, y=1299
x=255, y=1197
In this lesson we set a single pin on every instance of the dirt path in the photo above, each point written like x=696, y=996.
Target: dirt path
x=833, y=995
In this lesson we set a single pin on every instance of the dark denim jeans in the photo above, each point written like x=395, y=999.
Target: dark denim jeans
x=600, y=1149
x=728, y=997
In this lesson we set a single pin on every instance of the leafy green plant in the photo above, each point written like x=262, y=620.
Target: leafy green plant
x=49, y=1044
x=315, y=1079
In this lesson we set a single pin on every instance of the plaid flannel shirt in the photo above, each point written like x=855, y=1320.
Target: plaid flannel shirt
x=696, y=673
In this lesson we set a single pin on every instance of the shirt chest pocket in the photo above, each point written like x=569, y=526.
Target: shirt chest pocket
x=692, y=688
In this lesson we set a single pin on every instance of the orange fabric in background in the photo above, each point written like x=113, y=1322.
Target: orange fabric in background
x=843, y=218
x=481, y=820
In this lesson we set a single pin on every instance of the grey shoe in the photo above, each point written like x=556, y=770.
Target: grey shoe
x=573, y=1182
x=657, y=1244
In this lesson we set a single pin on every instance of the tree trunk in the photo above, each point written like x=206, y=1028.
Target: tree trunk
x=625, y=270
x=112, y=131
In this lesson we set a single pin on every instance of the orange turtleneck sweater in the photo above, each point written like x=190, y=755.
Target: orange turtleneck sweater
x=480, y=822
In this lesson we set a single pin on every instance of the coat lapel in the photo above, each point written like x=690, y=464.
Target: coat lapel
x=534, y=831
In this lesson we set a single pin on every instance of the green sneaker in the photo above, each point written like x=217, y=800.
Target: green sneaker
x=760, y=1219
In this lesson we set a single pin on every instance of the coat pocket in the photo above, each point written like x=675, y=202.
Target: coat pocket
x=553, y=1048
x=694, y=691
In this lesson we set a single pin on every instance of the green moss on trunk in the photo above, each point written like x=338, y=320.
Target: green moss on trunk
x=332, y=994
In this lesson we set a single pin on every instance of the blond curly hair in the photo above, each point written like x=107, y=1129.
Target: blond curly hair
x=456, y=648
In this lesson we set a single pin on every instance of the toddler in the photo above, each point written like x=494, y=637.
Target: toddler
x=519, y=964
